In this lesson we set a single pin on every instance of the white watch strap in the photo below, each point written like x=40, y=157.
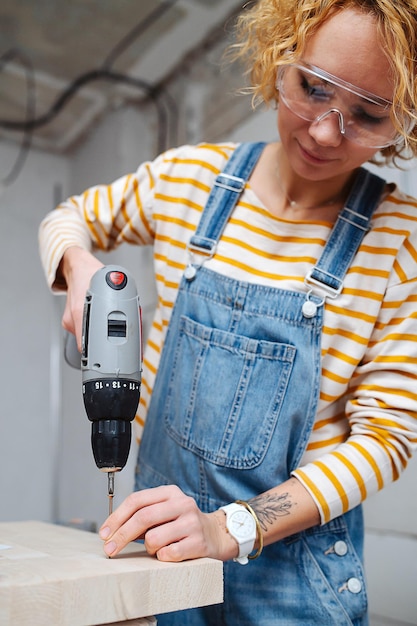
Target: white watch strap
x=245, y=547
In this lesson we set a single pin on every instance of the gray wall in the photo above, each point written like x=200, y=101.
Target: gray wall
x=27, y=429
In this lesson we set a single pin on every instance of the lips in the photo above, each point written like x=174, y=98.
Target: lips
x=313, y=157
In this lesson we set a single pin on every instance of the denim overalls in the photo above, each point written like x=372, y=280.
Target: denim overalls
x=231, y=413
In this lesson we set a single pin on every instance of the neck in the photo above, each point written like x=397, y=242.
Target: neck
x=298, y=194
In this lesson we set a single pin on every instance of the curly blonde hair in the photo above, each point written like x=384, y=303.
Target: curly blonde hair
x=268, y=29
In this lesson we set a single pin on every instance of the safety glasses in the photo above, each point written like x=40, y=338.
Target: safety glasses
x=313, y=94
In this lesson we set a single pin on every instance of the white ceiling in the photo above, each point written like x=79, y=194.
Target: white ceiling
x=46, y=45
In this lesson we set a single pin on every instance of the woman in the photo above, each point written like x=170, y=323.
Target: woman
x=279, y=371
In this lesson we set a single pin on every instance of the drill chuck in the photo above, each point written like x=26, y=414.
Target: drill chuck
x=110, y=440
x=111, y=405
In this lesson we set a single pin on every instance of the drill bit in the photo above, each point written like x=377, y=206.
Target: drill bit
x=110, y=490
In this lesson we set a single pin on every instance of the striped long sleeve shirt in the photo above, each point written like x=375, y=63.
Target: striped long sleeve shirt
x=366, y=424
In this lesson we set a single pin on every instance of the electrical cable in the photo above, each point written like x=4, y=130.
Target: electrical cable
x=68, y=93
x=164, y=125
x=163, y=119
x=136, y=31
x=172, y=108
x=95, y=75
x=26, y=142
x=154, y=92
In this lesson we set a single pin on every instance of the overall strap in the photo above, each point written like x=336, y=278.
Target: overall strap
x=345, y=238
x=223, y=197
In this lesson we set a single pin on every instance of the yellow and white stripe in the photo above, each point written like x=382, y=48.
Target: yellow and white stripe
x=366, y=425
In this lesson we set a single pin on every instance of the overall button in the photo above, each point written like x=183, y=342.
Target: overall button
x=354, y=585
x=340, y=548
x=309, y=309
x=190, y=272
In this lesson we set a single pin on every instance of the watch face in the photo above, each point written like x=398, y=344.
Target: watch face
x=242, y=524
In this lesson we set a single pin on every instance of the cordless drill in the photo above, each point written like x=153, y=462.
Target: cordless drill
x=111, y=363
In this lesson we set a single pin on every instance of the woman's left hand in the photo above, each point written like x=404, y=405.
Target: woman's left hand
x=171, y=524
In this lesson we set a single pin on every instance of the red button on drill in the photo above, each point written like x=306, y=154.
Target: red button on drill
x=116, y=280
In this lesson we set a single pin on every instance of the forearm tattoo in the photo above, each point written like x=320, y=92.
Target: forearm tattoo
x=268, y=507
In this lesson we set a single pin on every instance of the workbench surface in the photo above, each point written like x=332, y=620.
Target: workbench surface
x=56, y=575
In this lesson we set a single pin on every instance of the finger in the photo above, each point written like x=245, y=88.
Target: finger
x=186, y=549
x=138, y=513
x=180, y=528
x=136, y=526
x=137, y=501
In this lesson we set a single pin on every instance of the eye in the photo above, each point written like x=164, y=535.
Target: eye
x=316, y=89
x=366, y=118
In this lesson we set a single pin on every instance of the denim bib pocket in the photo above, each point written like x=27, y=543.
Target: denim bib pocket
x=232, y=425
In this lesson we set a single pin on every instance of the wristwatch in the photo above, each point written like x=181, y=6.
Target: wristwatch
x=241, y=525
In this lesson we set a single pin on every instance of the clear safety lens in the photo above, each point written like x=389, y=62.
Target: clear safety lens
x=313, y=94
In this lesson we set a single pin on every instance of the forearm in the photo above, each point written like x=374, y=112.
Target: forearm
x=281, y=511
x=100, y=219
x=285, y=510
x=59, y=231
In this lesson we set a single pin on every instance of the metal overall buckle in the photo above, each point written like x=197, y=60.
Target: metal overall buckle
x=321, y=291
x=205, y=252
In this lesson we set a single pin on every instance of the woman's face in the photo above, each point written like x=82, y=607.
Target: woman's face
x=347, y=46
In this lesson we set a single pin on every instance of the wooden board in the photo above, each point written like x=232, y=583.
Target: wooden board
x=56, y=575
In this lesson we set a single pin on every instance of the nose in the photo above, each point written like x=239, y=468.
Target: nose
x=329, y=128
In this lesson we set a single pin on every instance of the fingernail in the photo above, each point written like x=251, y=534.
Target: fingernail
x=109, y=548
x=105, y=532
